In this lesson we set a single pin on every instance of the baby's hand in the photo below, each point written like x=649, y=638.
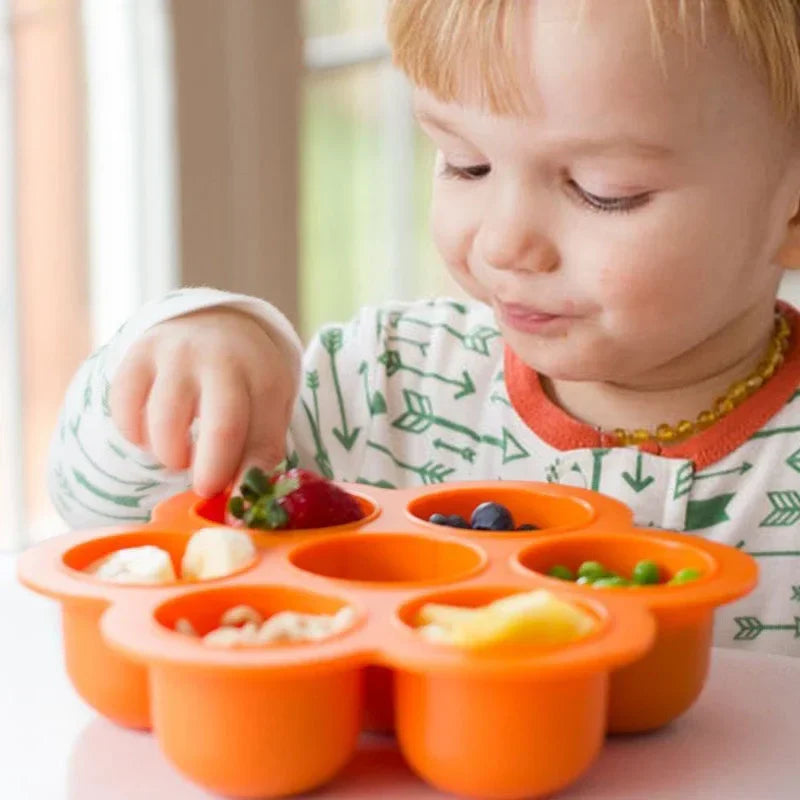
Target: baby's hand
x=219, y=365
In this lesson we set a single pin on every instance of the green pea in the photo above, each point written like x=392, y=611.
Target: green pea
x=686, y=575
x=592, y=570
x=583, y=581
x=646, y=572
x=562, y=572
x=610, y=582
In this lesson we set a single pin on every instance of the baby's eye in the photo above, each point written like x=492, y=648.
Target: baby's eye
x=471, y=173
x=610, y=204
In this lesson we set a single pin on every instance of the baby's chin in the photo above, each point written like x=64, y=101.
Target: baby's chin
x=566, y=362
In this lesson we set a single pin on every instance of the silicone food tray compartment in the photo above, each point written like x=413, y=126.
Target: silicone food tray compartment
x=281, y=719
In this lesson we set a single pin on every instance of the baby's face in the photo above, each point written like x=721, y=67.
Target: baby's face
x=633, y=211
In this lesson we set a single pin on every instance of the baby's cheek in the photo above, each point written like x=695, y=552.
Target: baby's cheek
x=638, y=287
x=451, y=232
x=453, y=235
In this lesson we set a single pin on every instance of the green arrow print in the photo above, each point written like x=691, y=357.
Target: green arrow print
x=766, y=553
x=496, y=397
x=332, y=340
x=684, y=480
x=137, y=486
x=706, y=513
x=687, y=476
x=638, y=482
x=477, y=340
x=66, y=490
x=751, y=628
x=393, y=362
x=105, y=400
x=321, y=456
x=419, y=417
x=794, y=461
x=467, y=453
x=423, y=346
x=428, y=473
x=454, y=304
x=775, y=432
x=380, y=483
x=785, y=510
x=740, y=470
x=376, y=402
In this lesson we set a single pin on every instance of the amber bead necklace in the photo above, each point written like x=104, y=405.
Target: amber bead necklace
x=737, y=393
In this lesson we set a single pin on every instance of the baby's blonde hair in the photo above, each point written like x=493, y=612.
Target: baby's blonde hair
x=440, y=43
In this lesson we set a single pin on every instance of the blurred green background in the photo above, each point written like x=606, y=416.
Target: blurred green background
x=346, y=183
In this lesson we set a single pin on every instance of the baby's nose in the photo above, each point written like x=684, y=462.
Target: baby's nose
x=512, y=243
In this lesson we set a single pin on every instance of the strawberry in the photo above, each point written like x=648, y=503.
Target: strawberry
x=319, y=504
x=294, y=498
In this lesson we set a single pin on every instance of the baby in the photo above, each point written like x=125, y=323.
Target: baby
x=617, y=188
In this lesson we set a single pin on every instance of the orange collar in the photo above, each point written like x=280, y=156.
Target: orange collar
x=554, y=426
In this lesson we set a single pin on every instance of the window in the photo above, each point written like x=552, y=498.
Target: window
x=10, y=396
x=365, y=170
x=86, y=220
x=130, y=160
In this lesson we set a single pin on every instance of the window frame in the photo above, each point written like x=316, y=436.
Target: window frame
x=13, y=528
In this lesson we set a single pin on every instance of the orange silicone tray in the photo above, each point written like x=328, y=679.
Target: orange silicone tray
x=282, y=719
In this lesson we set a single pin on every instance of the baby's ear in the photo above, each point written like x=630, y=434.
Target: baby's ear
x=789, y=253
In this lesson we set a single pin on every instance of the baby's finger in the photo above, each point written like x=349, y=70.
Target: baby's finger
x=128, y=398
x=170, y=411
x=266, y=439
x=224, y=408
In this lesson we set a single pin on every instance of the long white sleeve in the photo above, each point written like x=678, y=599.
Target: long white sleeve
x=97, y=477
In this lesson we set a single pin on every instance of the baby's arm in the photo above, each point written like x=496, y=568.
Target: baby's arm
x=96, y=474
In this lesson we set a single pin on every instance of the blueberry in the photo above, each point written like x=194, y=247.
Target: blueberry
x=491, y=517
x=526, y=526
x=438, y=519
x=457, y=521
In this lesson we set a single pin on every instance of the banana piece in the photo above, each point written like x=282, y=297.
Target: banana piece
x=146, y=564
x=241, y=626
x=184, y=626
x=216, y=552
x=292, y=626
x=239, y=615
x=223, y=637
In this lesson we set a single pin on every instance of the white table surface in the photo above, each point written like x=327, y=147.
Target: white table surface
x=733, y=744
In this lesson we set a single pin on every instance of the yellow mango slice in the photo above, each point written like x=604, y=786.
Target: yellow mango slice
x=536, y=617
x=437, y=614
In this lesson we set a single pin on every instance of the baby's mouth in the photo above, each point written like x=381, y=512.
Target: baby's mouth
x=531, y=319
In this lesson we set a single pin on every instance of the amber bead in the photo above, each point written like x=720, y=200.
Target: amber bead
x=736, y=395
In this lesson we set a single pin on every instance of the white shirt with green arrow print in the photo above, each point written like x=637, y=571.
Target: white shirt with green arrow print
x=414, y=394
